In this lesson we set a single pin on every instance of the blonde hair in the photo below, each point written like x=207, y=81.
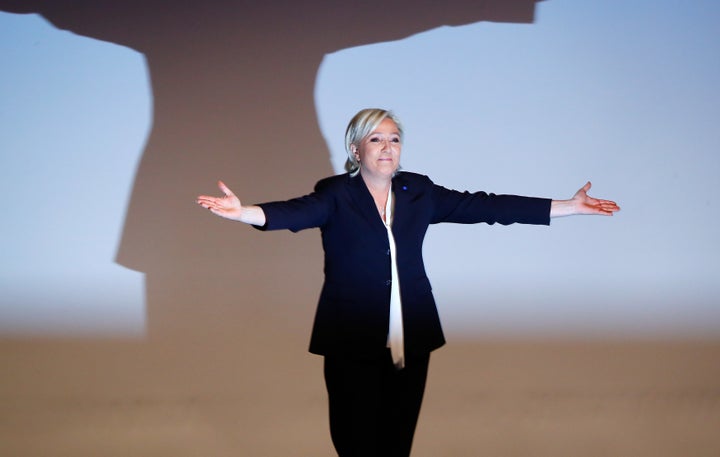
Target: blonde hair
x=362, y=125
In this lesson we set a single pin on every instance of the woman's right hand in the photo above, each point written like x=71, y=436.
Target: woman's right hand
x=228, y=206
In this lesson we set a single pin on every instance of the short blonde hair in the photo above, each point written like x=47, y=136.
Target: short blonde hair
x=362, y=125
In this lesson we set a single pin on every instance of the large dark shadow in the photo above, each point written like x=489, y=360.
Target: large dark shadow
x=228, y=308
x=233, y=98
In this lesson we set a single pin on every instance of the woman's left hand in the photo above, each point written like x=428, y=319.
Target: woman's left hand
x=582, y=203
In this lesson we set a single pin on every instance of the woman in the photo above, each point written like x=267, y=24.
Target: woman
x=376, y=320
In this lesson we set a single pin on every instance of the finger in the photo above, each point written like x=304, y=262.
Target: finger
x=609, y=207
x=206, y=205
x=608, y=204
x=206, y=200
x=211, y=203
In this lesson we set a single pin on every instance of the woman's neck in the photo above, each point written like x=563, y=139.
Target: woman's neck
x=377, y=186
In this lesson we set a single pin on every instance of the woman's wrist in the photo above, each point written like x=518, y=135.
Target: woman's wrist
x=253, y=215
x=559, y=208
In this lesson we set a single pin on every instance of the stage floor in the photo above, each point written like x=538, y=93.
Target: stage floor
x=484, y=398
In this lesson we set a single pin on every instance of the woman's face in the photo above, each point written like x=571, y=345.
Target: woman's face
x=379, y=152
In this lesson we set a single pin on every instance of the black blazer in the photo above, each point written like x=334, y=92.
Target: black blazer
x=353, y=311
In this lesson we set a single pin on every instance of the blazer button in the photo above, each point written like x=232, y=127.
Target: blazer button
x=388, y=252
x=388, y=282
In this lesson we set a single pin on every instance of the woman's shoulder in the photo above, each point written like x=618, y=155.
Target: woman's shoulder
x=408, y=177
x=332, y=182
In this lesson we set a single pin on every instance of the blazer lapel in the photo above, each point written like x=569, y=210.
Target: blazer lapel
x=403, y=196
x=365, y=205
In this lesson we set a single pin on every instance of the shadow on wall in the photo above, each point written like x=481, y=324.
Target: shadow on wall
x=233, y=94
x=228, y=308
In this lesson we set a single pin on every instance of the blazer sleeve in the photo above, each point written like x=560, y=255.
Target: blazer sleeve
x=469, y=208
x=308, y=211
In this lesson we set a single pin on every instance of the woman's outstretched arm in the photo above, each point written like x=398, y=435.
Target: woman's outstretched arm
x=230, y=207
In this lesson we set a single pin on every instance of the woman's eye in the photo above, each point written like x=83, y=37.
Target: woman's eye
x=396, y=140
x=374, y=140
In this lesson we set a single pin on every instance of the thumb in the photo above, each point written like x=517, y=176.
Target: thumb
x=226, y=190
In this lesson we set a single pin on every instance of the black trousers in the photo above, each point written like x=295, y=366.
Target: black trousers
x=373, y=406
